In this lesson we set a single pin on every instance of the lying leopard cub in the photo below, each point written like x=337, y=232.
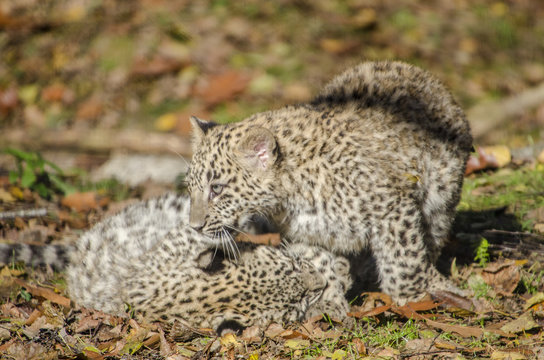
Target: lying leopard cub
x=375, y=161
x=146, y=256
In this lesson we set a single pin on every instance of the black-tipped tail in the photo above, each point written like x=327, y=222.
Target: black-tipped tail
x=56, y=256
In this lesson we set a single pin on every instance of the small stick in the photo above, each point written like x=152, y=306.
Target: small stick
x=25, y=213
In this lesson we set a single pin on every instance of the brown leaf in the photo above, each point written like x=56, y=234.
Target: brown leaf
x=264, y=239
x=56, y=93
x=35, y=314
x=374, y=312
x=87, y=323
x=378, y=296
x=423, y=305
x=338, y=46
x=502, y=276
x=90, y=109
x=372, y=305
x=222, y=87
x=84, y=201
x=464, y=331
x=10, y=310
x=293, y=334
x=451, y=301
x=252, y=334
x=45, y=293
x=359, y=346
x=156, y=66
x=166, y=348
x=74, y=220
x=273, y=330
x=8, y=100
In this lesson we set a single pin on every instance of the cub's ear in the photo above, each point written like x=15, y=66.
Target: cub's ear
x=257, y=148
x=200, y=128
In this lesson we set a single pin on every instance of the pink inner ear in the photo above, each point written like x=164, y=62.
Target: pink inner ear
x=262, y=153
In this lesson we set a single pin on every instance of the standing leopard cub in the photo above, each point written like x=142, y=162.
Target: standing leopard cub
x=375, y=161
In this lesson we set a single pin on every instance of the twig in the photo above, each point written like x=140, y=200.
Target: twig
x=24, y=213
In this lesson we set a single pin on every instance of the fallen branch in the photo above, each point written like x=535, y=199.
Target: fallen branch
x=487, y=116
x=25, y=213
x=97, y=140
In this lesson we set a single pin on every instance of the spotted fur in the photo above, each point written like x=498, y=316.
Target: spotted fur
x=147, y=257
x=375, y=161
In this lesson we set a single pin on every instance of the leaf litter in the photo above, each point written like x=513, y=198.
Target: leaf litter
x=171, y=66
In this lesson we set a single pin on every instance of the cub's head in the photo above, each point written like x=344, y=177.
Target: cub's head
x=232, y=176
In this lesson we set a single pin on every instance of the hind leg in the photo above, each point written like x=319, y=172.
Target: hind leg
x=443, y=192
x=400, y=248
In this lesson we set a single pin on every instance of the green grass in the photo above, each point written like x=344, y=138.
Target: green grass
x=520, y=191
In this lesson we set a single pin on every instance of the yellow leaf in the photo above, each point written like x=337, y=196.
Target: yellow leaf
x=16, y=192
x=92, y=349
x=540, y=157
x=339, y=354
x=7, y=272
x=521, y=262
x=229, y=340
x=535, y=300
x=498, y=9
x=254, y=356
x=501, y=153
x=166, y=122
x=506, y=355
x=523, y=323
x=297, y=344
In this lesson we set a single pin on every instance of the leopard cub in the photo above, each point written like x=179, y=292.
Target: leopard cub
x=375, y=161
x=147, y=257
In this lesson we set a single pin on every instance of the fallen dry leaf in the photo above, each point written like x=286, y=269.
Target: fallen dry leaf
x=8, y=100
x=222, y=87
x=338, y=46
x=502, y=276
x=56, y=93
x=523, y=323
x=293, y=334
x=297, y=344
x=263, y=239
x=45, y=293
x=535, y=301
x=506, y=355
x=90, y=109
x=489, y=157
x=252, y=334
x=84, y=201
x=359, y=346
x=10, y=310
x=373, y=312
x=166, y=122
x=273, y=330
x=540, y=157
x=156, y=66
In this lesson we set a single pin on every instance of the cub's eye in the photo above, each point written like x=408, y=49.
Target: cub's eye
x=215, y=190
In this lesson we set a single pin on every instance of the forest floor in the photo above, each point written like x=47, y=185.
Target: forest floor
x=86, y=82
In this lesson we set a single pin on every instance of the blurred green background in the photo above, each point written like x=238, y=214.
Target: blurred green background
x=149, y=64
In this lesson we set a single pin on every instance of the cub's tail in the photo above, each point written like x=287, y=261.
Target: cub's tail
x=402, y=89
x=56, y=256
